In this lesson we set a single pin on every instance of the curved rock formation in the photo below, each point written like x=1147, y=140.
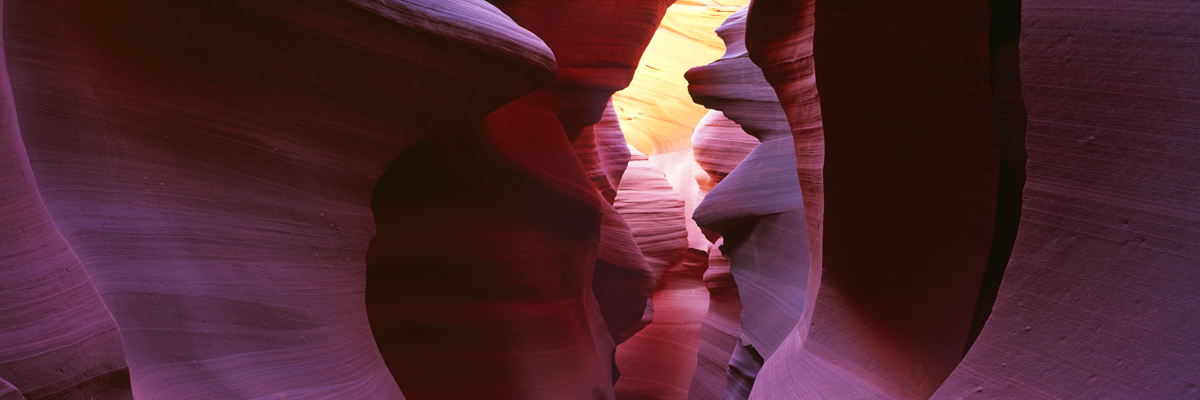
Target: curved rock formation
x=661, y=358
x=718, y=145
x=212, y=166
x=59, y=340
x=654, y=212
x=758, y=209
x=512, y=301
x=719, y=330
x=8, y=392
x=1099, y=299
x=911, y=191
x=622, y=281
x=317, y=199
x=656, y=111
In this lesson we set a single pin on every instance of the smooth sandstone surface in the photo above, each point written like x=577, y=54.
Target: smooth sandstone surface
x=911, y=175
x=1099, y=299
x=758, y=208
x=515, y=307
x=8, y=392
x=719, y=330
x=212, y=166
x=718, y=145
x=622, y=281
x=779, y=39
x=353, y=199
x=58, y=338
x=662, y=357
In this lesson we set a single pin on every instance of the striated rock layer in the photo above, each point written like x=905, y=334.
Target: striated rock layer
x=912, y=171
x=57, y=339
x=622, y=281
x=653, y=361
x=758, y=209
x=662, y=358
x=779, y=40
x=656, y=111
x=511, y=301
x=719, y=145
x=8, y=392
x=212, y=166
x=1099, y=299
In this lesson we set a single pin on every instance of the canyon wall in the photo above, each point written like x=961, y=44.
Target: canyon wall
x=389, y=199
x=1099, y=299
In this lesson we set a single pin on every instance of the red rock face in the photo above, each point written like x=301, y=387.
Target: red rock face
x=779, y=40
x=1099, y=299
x=8, y=392
x=622, y=281
x=59, y=339
x=373, y=199
x=657, y=196
x=212, y=166
x=757, y=208
x=911, y=190
x=718, y=145
x=512, y=301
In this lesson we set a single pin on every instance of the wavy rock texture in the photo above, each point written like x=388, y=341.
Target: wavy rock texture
x=663, y=356
x=718, y=145
x=1100, y=300
x=656, y=112
x=8, y=392
x=350, y=199
x=719, y=330
x=514, y=304
x=622, y=281
x=759, y=211
x=736, y=87
x=649, y=359
x=654, y=212
x=758, y=208
x=59, y=340
x=779, y=40
x=911, y=190
x=212, y=166
x=659, y=361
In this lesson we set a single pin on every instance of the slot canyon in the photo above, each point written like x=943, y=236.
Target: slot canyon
x=599, y=199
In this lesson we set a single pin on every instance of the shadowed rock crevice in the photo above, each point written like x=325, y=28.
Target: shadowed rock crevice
x=1011, y=120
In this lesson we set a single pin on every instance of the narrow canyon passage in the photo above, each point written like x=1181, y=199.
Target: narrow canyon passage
x=599, y=199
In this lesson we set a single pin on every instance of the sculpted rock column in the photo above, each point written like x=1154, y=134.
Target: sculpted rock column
x=718, y=145
x=57, y=339
x=912, y=177
x=212, y=165
x=1099, y=299
x=758, y=209
x=484, y=264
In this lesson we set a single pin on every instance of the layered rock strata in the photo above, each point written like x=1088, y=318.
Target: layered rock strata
x=664, y=354
x=656, y=111
x=212, y=166
x=622, y=281
x=653, y=361
x=758, y=208
x=57, y=339
x=511, y=302
x=1099, y=297
x=911, y=191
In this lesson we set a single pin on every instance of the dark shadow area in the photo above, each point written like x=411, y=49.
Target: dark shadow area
x=1010, y=124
